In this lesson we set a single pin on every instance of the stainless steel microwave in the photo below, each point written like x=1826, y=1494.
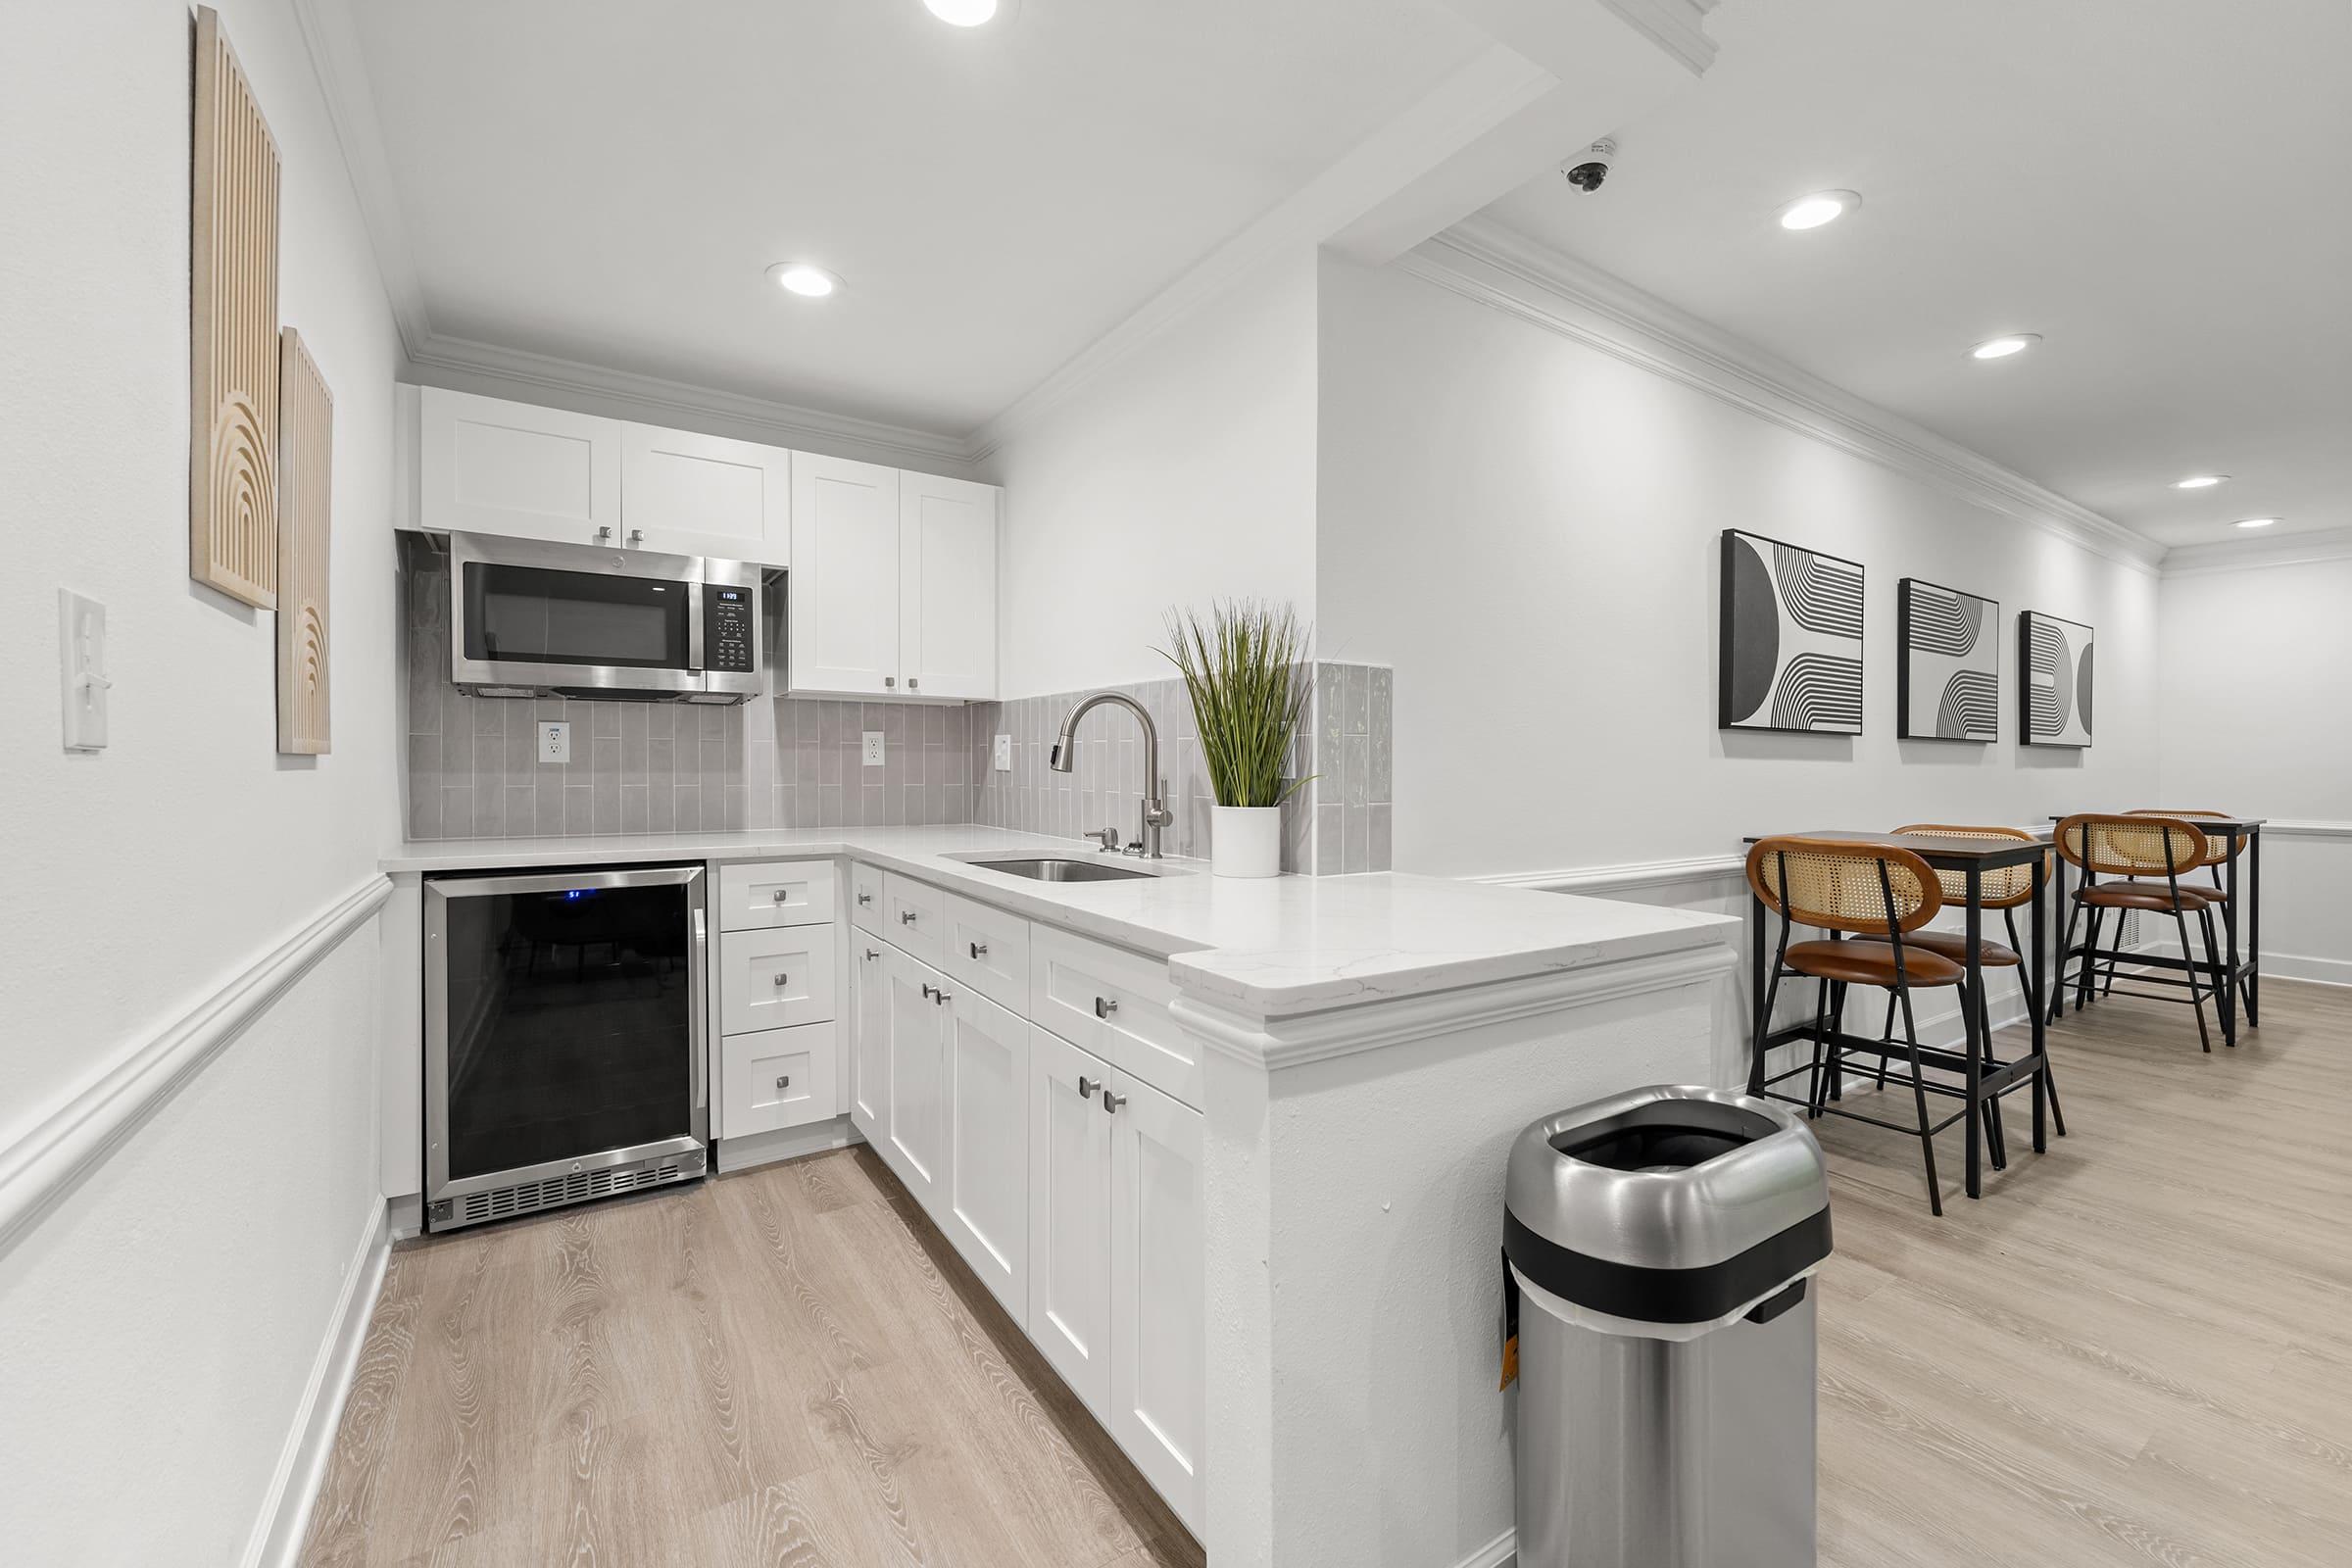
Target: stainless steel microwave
x=530, y=620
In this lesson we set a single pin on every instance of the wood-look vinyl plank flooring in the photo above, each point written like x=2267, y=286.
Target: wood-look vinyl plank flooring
x=2135, y=1351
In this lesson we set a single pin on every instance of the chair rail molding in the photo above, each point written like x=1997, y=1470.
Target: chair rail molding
x=57, y=1145
x=1497, y=267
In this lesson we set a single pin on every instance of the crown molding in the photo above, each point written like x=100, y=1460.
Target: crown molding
x=2253, y=552
x=335, y=50
x=788, y=423
x=1503, y=270
x=1677, y=27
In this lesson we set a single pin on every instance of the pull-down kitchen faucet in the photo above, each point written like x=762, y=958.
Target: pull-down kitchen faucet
x=1065, y=757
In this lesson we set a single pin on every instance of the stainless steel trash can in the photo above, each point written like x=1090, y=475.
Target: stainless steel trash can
x=1661, y=1242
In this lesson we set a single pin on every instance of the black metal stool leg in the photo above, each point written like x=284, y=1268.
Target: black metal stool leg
x=2196, y=994
x=1995, y=1139
x=1919, y=1096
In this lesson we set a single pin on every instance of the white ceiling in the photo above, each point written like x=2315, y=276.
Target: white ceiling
x=2154, y=185
x=606, y=180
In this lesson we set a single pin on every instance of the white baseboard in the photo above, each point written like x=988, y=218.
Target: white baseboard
x=406, y=1216
x=786, y=1142
x=285, y=1516
x=1496, y=1553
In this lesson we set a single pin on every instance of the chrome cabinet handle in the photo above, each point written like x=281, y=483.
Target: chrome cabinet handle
x=782, y=894
x=865, y=899
x=927, y=991
x=889, y=680
x=907, y=917
x=604, y=535
x=1105, y=1007
x=783, y=980
x=979, y=949
x=784, y=1082
x=1087, y=1086
x=912, y=683
x=941, y=997
x=1111, y=1102
x=636, y=536
x=871, y=953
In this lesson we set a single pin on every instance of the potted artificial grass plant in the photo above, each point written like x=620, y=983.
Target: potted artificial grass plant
x=1242, y=664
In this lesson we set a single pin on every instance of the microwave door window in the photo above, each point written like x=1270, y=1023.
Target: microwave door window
x=533, y=615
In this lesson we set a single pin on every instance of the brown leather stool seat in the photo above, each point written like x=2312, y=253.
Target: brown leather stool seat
x=1951, y=945
x=2140, y=895
x=2192, y=896
x=1872, y=963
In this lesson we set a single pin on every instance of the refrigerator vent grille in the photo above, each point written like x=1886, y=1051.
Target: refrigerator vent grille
x=525, y=1198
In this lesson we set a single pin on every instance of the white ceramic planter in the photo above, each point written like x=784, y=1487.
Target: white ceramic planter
x=1246, y=840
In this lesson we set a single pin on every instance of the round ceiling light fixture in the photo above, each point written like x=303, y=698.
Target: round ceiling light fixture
x=964, y=13
x=1822, y=207
x=2253, y=522
x=2008, y=343
x=809, y=281
x=2199, y=481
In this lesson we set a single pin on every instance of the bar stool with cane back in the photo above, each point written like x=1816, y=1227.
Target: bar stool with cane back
x=2220, y=848
x=1879, y=896
x=2125, y=847
x=2007, y=889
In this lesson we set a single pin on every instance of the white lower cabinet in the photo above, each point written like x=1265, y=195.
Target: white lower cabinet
x=773, y=979
x=1069, y=1182
x=869, y=1040
x=776, y=1078
x=986, y=1197
x=916, y=1087
x=1069, y=1216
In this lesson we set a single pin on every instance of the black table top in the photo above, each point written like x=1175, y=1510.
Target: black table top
x=1937, y=850
x=2226, y=824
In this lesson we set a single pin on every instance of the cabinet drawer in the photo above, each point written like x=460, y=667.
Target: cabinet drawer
x=777, y=1078
x=775, y=979
x=913, y=914
x=988, y=949
x=776, y=892
x=865, y=897
x=1114, y=1004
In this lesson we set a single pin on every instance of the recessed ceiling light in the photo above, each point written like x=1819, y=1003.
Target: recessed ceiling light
x=2199, y=481
x=2008, y=343
x=2253, y=522
x=809, y=281
x=962, y=13
x=1822, y=207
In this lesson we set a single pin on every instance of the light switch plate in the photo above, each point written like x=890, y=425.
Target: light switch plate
x=873, y=748
x=1003, y=754
x=81, y=670
x=555, y=740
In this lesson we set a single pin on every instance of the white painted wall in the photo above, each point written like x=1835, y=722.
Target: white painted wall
x=1526, y=528
x=164, y=1320
x=1184, y=472
x=2257, y=665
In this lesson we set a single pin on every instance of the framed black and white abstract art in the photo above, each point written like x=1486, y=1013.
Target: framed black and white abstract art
x=2053, y=657
x=1791, y=642
x=1948, y=665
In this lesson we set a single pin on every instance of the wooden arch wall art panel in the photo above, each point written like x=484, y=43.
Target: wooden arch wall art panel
x=305, y=449
x=232, y=331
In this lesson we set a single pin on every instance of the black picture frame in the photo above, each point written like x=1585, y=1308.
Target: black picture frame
x=1905, y=588
x=2079, y=672
x=1730, y=608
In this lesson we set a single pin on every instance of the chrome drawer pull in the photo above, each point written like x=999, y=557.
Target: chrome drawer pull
x=1105, y=1007
x=782, y=894
x=927, y=991
x=979, y=950
x=784, y=1082
x=1111, y=1102
x=865, y=899
x=941, y=997
x=871, y=953
x=907, y=917
x=1087, y=1087
x=783, y=980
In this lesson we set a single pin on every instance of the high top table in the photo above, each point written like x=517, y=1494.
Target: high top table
x=1971, y=859
x=2237, y=978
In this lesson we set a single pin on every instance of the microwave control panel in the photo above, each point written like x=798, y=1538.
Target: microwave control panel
x=727, y=629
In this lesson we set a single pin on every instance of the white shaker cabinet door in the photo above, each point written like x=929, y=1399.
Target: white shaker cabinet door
x=844, y=583
x=916, y=1094
x=1159, y=1357
x=948, y=587
x=683, y=493
x=985, y=1204
x=487, y=466
x=869, y=1040
x=1069, y=1216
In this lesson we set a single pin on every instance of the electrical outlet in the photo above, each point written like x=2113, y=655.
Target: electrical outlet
x=555, y=740
x=873, y=748
x=1003, y=755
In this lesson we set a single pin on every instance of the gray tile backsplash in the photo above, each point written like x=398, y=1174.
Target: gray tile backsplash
x=1336, y=822
x=659, y=767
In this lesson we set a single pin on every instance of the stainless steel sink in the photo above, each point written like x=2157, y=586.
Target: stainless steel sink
x=1043, y=869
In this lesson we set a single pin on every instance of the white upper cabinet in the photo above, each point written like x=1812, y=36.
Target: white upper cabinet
x=845, y=578
x=685, y=494
x=486, y=465
x=948, y=587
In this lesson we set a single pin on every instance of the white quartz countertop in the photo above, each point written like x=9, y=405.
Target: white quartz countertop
x=1281, y=944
